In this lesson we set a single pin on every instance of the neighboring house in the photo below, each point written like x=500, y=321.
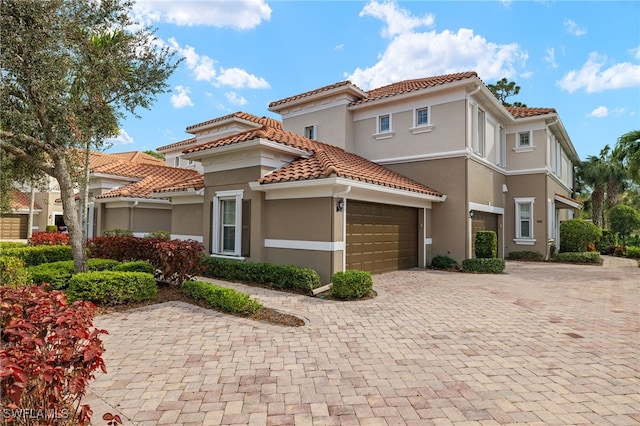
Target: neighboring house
x=14, y=225
x=363, y=198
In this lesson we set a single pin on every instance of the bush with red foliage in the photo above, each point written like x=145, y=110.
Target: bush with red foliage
x=50, y=351
x=177, y=260
x=49, y=239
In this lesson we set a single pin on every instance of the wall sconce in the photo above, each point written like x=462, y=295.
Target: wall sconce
x=504, y=188
x=471, y=213
x=340, y=205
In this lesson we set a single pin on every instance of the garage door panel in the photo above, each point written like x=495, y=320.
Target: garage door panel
x=13, y=226
x=381, y=238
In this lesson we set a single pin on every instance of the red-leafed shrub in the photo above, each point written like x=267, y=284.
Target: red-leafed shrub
x=50, y=351
x=175, y=259
x=49, y=239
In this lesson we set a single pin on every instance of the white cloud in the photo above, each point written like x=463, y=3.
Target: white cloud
x=234, y=99
x=636, y=52
x=203, y=67
x=599, y=112
x=593, y=78
x=397, y=20
x=181, y=99
x=339, y=47
x=551, y=57
x=237, y=14
x=414, y=54
x=239, y=78
x=123, y=138
x=573, y=28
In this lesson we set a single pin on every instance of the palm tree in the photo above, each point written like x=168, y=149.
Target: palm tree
x=627, y=151
x=592, y=173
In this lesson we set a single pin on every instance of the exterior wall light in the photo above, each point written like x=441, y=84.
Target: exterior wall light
x=471, y=213
x=340, y=205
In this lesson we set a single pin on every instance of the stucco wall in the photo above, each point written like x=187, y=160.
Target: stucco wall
x=186, y=219
x=522, y=187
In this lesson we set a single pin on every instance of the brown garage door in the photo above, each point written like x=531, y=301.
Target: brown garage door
x=482, y=222
x=13, y=226
x=381, y=237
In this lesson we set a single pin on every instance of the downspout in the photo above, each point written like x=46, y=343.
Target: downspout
x=344, y=225
x=131, y=207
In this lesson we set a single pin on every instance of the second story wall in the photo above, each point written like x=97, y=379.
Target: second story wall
x=526, y=146
x=331, y=124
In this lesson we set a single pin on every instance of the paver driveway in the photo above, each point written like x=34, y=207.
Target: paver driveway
x=540, y=344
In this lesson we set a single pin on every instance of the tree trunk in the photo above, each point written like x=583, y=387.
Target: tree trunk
x=597, y=197
x=611, y=199
x=70, y=213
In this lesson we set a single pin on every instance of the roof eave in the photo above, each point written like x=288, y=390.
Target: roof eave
x=348, y=88
x=245, y=145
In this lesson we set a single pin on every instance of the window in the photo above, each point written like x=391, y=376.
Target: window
x=422, y=116
x=482, y=146
x=524, y=139
x=227, y=223
x=524, y=221
x=310, y=132
x=176, y=162
x=384, y=123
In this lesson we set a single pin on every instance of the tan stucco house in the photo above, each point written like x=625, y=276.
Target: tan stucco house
x=377, y=180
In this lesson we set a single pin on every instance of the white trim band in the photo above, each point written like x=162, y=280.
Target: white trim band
x=304, y=245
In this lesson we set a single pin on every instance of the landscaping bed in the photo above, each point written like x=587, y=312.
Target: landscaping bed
x=169, y=293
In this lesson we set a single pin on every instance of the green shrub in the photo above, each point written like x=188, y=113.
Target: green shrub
x=135, y=266
x=225, y=299
x=118, y=231
x=576, y=234
x=351, y=284
x=286, y=277
x=13, y=272
x=624, y=220
x=483, y=265
x=486, y=244
x=633, y=252
x=11, y=244
x=444, y=262
x=162, y=235
x=39, y=254
x=607, y=242
x=51, y=228
x=526, y=255
x=57, y=274
x=592, y=257
x=111, y=287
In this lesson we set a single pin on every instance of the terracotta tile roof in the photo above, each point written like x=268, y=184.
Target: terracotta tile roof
x=573, y=200
x=332, y=161
x=324, y=161
x=312, y=92
x=148, y=177
x=194, y=182
x=139, y=157
x=21, y=201
x=407, y=86
x=177, y=144
x=522, y=112
x=240, y=115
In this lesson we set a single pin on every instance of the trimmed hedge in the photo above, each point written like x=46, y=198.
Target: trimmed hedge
x=37, y=255
x=591, y=257
x=483, y=265
x=486, y=244
x=58, y=274
x=351, y=284
x=576, y=234
x=284, y=277
x=535, y=256
x=109, y=288
x=11, y=244
x=135, y=266
x=222, y=298
x=13, y=272
x=444, y=262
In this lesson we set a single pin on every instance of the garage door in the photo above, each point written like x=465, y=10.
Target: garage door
x=381, y=237
x=482, y=222
x=13, y=226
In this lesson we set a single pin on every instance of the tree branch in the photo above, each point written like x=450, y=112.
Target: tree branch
x=21, y=154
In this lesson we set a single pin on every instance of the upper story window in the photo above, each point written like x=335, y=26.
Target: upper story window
x=421, y=120
x=482, y=143
x=384, y=123
x=310, y=132
x=524, y=139
x=176, y=162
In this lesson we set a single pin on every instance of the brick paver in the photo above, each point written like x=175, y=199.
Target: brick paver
x=540, y=344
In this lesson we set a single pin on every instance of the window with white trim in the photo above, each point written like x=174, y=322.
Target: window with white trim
x=524, y=220
x=227, y=223
x=482, y=144
x=176, y=162
x=310, y=132
x=422, y=117
x=524, y=139
x=384, y=123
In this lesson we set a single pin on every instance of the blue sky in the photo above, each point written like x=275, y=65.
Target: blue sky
x=582, y=58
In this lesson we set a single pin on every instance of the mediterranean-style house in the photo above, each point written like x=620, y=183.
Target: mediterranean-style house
x=376, y=180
